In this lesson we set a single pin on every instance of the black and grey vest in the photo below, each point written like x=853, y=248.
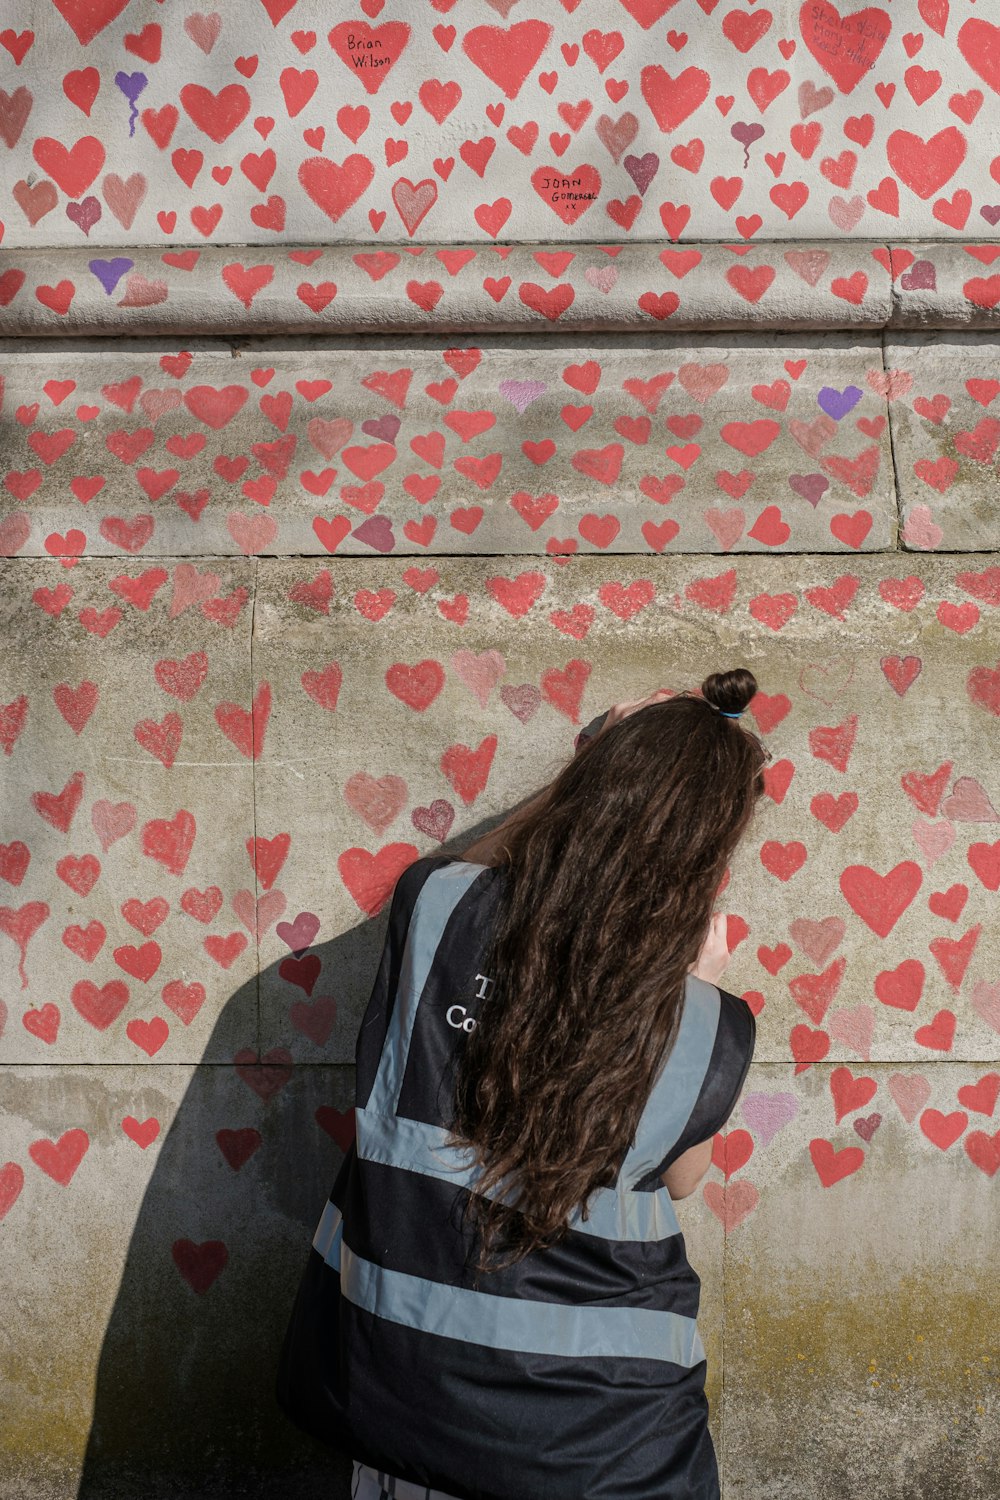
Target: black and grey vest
x=576, y=1374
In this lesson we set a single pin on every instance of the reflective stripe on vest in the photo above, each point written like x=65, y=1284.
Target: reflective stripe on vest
x=616, y=1213
x=520, y=1325
x=438, y=898
x=417, y=1147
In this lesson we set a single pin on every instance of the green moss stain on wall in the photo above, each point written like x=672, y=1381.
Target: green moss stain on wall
x=896, y=1392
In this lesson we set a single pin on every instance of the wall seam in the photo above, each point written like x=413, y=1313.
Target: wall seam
x=887, y=327
x=892, y=448
x=253, y=804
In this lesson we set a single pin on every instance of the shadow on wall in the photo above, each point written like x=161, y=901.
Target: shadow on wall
x=184, y=1405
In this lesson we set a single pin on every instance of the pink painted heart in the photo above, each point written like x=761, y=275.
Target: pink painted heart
x=378, y=800
x=818, y=939
x=298, y=935
x=969, y=803
x=767, y=1114
x=932, y=839
x=315, y=1018
x=435, y=820
x=855, y=1027
x=480, y=672
x=911, y=1092
x=809, y=264
x=328, y=436
x=986, y=1002
x=726, y=526
x=258, y=915
x=266, y=1075
x=733, y=1204
x=523, y=700
x=203, y=30
x=190, y=586
x=111, y=821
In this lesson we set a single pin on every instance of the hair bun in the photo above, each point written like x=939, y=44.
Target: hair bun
x=730, y=692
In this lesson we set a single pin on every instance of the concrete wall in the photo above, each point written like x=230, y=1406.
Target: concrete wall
x=343, y=476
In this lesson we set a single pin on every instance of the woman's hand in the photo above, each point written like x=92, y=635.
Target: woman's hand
x=615, y=714
x=621, y=711
x=713, y=959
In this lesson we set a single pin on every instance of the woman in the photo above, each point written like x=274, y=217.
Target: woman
x=498, y=1304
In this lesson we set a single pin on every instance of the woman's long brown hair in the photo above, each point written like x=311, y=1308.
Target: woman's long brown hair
x=608, y=894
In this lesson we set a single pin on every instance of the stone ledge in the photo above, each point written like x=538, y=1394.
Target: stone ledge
x=337, y=289
x=625, y=288
x=243, y=290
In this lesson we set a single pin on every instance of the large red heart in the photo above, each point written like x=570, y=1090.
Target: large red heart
x=216, y=115
x=415, y=686
x=570, y=192
x=169, y=840
x=100, y=1006
x=370, y=878
x=506, y=57
x=370, y=52
x=60, y=1159
x=73, y=167
x=335, y=187
x=88, y=17
x=831, y=1165
x=979, y=44
x=880, y=900
x=925, y=166
x=215, y=407
x=672, y=100
x=846, y=47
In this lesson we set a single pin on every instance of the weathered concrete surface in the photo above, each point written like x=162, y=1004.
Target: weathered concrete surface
x=862, y=1347
x=400, y=707
x=942, y=286
x=152, y=1282
x=410, y=703
x=233, y=174
x=689, y=119
x=194, y=1298
x=127, y=796
x=527, y=443
x=945, y=433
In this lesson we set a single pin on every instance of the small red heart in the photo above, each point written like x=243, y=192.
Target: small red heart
x=143, y=1132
